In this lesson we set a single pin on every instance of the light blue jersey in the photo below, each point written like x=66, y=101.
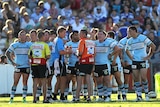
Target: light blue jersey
x=102, y=51
x=59, y=46
x=20, y=51
x=138, y=47
x=51, y=46
x=118, y=60
x=122, y=44
x=72, y=58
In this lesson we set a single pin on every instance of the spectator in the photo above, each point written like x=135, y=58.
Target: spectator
x=9, y=13
x=10, y=39
x=157, y=2
x=117, y=6
x=50, y=24
x=42, y=23
x=148, y=20
x=32, y=4
x=141, y=17
x=60, y=21
x=77, y=25
x=3, y=59
x=53, y=11
x=140, y=6
x=66, y=12
x=115, y=16
x=22, y=10
x=1, y=14
x=2, y=44
x=8, y=27
x=155, y=40
x=126, y=14
x=87, y=25
x=88, y=5
x=109, y=24
x=90, y=16
x=118, y=34
x=105, y=4
x=100, y=12
x=148, y=29
x=137, y=25
x=103, y=7
x=43, y=10
x=76, y=4
x=47, y=4
x=155, y=19
x=98, y=15
x=35, y=16
x=20, y=4
x=82, y=16
x=27, y=24
x=123, y=29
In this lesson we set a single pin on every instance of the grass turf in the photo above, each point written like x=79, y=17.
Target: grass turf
x=114, y=103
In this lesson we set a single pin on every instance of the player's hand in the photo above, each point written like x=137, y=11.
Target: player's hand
x=114, y=63
x=14, y=64
x=146, y=58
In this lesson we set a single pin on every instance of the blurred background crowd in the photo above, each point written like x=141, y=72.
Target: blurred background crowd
x=115, y=15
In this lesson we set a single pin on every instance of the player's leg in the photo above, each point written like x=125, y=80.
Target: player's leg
x=16, y=78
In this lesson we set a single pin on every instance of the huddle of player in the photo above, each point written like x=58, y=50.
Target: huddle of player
x=84, y=58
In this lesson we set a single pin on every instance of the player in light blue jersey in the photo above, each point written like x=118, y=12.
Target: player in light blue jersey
x=102, y=65
x=20, y=62
x=116, y=68
x=93, y=33
x=126, y=62
x=49, y=64
x=72, y=61
x=59, y=64
x=136, y=50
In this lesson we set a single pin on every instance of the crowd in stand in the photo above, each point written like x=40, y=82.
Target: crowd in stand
x=49, y=14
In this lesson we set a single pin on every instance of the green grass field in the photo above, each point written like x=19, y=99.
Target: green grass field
x=114, y=103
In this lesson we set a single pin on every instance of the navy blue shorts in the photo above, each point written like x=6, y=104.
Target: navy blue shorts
x=101, y=70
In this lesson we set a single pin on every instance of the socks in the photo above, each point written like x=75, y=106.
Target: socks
x=145, y=86
x=138, y=88
x=49, y=92
x=13, y=90
x=100, y=90
x=25, y=88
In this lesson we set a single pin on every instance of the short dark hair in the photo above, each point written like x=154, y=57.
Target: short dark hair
x=84, y=31
x=46, y=31
x=2, y=58
x=111, y=34
x=39, y=30
x=52, y=32
x=60, y=29
x=32, y=31
x=20, y=32
x=72, y=33
x=133, y=28
x=40, y=34
x=104, y=32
